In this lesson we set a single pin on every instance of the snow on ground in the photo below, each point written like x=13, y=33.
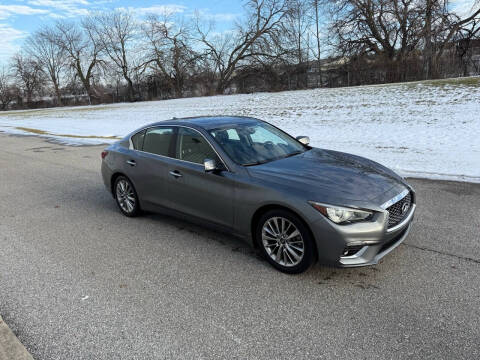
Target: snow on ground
x=424, y=129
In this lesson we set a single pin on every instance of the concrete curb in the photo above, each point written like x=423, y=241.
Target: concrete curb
x=10, y=347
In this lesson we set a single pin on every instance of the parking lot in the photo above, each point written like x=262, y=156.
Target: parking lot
x=80, y=281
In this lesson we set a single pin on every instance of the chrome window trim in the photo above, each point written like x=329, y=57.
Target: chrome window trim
x=395, y=199
x=174, y=158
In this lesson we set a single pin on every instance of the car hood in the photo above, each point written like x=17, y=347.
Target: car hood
x=331, y=174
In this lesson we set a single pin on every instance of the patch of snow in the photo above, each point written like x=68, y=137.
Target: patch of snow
x=417, y=129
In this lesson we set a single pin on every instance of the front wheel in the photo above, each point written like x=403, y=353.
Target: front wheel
x=126, y=197
x=285, y=241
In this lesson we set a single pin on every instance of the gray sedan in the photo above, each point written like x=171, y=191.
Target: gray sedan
x=295, y=203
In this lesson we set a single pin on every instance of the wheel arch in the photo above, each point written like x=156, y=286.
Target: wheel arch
x=265, y=208
x=114, y=178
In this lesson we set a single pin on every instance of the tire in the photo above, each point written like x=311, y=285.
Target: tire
x=282, y=245
x=126, y=197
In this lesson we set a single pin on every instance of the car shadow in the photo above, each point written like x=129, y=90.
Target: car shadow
x=97, y=199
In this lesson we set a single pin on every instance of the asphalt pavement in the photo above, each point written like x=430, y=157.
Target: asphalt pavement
x=80, y=281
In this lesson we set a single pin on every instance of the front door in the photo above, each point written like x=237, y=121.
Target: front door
x=193, y=191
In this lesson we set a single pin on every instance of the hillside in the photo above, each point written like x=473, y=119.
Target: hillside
x=425, y=129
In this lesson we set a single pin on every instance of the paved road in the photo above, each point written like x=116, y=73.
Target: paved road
x=80, y=281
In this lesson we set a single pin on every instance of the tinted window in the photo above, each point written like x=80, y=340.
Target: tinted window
x=158, y=141
x=252, y=144
x=137, y=140
x=192, y=146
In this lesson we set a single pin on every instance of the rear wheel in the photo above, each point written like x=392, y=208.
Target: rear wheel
x=126, y=197
x=285, y=241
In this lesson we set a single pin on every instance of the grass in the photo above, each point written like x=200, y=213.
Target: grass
x=60, y=110
x=25, y=113
x=466, y=81
x=42, y=132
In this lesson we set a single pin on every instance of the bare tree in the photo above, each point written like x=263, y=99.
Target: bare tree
x=28, y=74
x=7, y=89
x=442, y=25
x=52, y=58
x=82, y=51
x=464, y=39
x=386, y=28
x=169, y=49
x=297, y=24
x=228, y=50
x=116, y=33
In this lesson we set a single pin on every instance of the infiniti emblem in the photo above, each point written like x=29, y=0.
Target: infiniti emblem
x=405, y=208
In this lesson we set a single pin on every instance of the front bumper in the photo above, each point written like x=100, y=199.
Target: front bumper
x=372, y=254
x=360, y=244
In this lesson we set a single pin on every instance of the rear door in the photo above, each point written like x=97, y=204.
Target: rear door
x=193, y=191
x=150, y=165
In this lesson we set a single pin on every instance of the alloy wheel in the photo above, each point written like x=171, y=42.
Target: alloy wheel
x=125, y=196
x=282, y=241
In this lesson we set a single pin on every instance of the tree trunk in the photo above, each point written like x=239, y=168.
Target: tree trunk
x=57, y=93
x=319, y=74
x=427, y=53
x=131, y=92
x=221, y=86
x=87, y=87
x=85, y=80
x=178, y=87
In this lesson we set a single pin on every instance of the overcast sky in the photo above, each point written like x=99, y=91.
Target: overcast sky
x=18, y=18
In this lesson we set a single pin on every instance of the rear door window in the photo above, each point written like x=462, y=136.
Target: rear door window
x=159, y=141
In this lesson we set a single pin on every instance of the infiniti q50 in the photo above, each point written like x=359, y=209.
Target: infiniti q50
x=295, y=203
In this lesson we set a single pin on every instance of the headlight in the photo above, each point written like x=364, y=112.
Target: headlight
x=341, y=215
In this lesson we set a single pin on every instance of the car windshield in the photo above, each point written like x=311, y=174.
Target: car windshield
x=256, y=143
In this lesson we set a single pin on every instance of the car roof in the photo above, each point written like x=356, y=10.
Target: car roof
x=209, y=122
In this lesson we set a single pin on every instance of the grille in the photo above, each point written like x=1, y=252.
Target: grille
x=395, y=213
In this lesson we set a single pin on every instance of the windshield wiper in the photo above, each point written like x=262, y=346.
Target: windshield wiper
x=273, y=159
x=257, y=162
x=294, y=153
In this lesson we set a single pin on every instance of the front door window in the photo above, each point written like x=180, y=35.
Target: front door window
x=192, y=147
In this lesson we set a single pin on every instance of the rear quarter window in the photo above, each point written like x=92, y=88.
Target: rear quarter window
x=137, y=140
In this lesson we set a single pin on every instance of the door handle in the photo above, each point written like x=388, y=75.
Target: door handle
x=131, y=162
x=175, y=174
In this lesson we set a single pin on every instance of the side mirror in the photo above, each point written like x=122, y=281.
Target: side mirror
x=209, y=165
x=305, y=140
